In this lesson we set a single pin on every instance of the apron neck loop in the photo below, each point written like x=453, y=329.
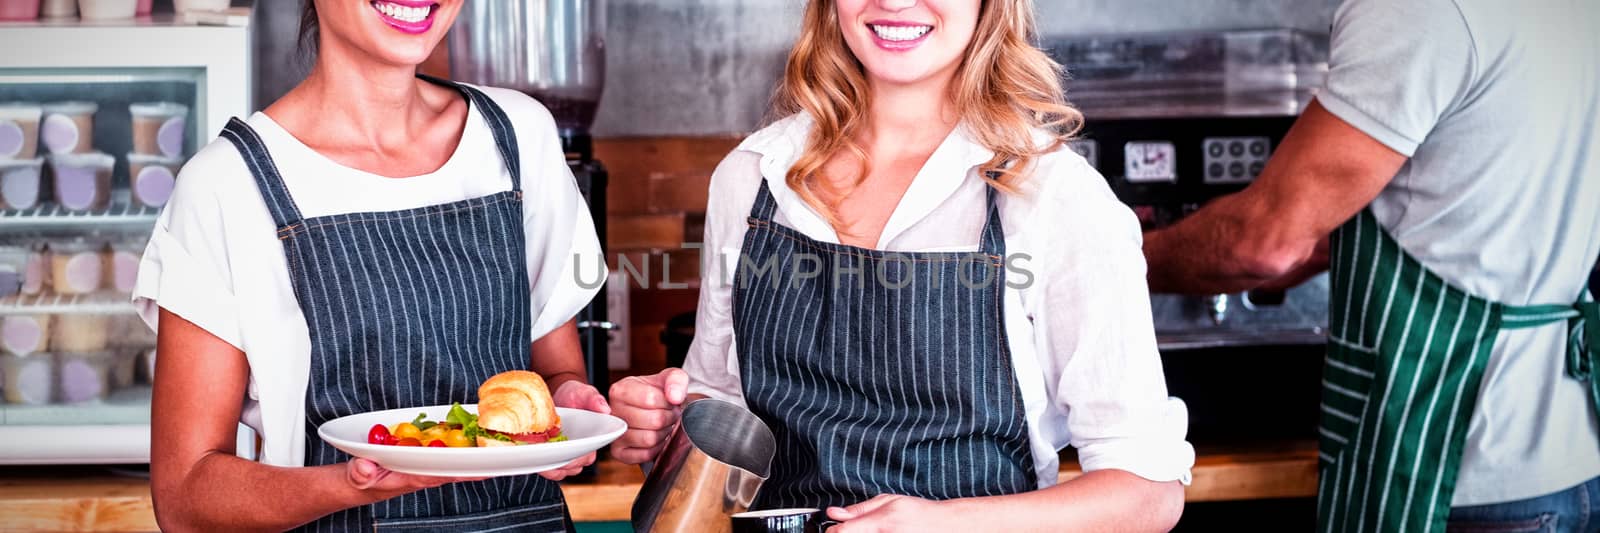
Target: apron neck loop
x=280, y=204
x=505, y=138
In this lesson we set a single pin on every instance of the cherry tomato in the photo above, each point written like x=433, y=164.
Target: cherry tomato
x=433, y=433
x=408, y=442
x=456, y=439
x=405, y=430
x=379, y=434
x=436, y=444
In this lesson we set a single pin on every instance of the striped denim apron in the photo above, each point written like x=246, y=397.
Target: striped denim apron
x=413, y=308
x=878, y=372
x=1406, y=355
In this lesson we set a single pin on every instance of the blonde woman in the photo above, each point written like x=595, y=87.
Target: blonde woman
x=924, y=294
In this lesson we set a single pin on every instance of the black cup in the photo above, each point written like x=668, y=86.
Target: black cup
x=782, y=521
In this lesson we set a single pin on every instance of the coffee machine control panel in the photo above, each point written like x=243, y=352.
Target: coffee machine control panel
x=1235, y=159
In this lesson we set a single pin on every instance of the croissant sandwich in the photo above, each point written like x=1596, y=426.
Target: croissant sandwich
x=515, y=408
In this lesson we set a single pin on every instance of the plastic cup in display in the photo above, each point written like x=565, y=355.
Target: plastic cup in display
x=29, y=379
x=58, y=8
x=19, y=10
x=24, y=334
x=122, y=266
x=159, y=128
x=22, y=270
x=80, y=333
x=144, y=7
x=84, y=377
x=21, y=183
x=82, y=181
x=77, y=266
x=200, y=5
x=68, y=127
x=107, y=9
x=19, y=128
x=152, y=177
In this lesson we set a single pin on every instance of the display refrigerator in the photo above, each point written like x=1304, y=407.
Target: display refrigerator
x=96, y=118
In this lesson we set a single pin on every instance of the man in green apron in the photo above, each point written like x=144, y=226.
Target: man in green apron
x=1454, y=156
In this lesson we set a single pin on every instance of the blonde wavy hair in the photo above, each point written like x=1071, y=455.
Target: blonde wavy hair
x=1005, y=90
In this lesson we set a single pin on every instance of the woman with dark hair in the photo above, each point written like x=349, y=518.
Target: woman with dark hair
x=372, y=240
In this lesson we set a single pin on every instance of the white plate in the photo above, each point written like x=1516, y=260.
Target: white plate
x=586, y=432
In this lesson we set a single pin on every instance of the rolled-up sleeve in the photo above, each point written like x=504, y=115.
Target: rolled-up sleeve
x=712, y=362
x=185, y=267
x=1096, y=339
x=566, y=267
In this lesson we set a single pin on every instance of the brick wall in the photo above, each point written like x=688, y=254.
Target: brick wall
x=656, y=202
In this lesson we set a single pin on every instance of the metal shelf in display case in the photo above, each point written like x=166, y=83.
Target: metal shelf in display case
x=101, y=303
x=51, y=219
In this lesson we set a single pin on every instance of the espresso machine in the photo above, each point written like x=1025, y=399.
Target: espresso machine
x=1173, y=121
x=553, y=50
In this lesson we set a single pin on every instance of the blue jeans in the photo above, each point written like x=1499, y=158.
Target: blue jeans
x=1575, y=510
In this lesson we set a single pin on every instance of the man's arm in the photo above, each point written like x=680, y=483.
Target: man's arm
x=1323, y=173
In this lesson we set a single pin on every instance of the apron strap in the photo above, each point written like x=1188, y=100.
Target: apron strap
x=765, y=207
x=280, y=204
x=993, y=241
x=505, y=137
x=1583, y=334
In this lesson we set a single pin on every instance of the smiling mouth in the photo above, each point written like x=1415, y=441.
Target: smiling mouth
x=404, y=13
x=898, y=33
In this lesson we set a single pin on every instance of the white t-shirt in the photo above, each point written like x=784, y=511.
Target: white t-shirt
x=1496, y=103
x=1082, y=343
x=215, y=258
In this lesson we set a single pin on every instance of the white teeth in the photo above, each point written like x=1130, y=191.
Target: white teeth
x=403, y=13
x=900, y=33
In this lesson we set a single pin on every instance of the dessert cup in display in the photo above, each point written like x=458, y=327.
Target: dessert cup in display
x=19, y=10
x=82, y=181
x=13, y=267
x=21, y=183
x=107, y=9
x=80, y=333
x=77, y=267
x=123, y=364
x=68, y=127
x=19, y=125
x=84, y=377
x=144, y=7
x=152, y=177
x=29, y=379
x=122, y=264
x=24, y=334
x=147, y=365
x=22, y=270
x=200, y=5
x=129, y=331
x=58, y=8
x=159, y=128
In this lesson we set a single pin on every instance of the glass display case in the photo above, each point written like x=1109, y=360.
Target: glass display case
x=96, y=118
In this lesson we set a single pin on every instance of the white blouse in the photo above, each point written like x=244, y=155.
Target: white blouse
x=215, y=258
x=1081, y=338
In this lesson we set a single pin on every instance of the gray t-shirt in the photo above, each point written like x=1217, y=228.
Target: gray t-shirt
x=1498, y=106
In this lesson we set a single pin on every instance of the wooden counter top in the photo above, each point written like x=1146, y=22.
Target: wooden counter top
x=89, y=499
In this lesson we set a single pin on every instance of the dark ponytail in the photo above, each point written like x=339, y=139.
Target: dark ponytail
x=308, y=29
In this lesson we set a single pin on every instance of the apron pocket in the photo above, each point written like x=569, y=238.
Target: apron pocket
x=547, y=517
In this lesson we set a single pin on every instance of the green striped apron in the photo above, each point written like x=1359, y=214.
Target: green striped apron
x=1406, y=353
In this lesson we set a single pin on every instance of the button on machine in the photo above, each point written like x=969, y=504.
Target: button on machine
x=1243, y=157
